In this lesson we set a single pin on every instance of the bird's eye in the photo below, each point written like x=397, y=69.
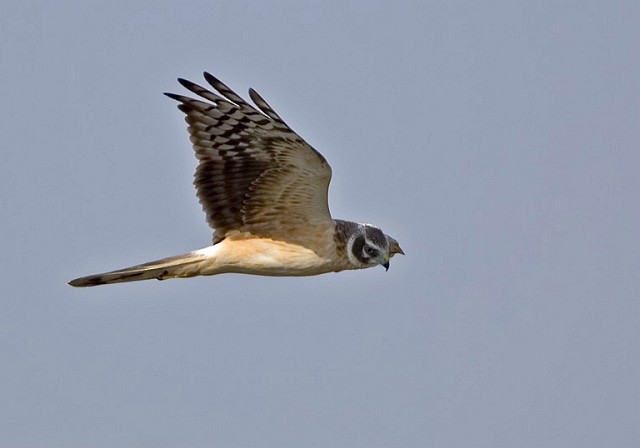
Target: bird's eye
x=369, y=250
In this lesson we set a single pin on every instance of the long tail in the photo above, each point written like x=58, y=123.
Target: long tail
x=179, y=266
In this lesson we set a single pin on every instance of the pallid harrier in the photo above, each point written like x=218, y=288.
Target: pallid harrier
x=264, y=191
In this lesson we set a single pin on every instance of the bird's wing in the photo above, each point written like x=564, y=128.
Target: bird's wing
x=255, y=175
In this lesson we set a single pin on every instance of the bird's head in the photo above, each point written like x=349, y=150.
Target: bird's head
x=371, y=247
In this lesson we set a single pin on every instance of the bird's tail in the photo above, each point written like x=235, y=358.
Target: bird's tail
x=185, y=265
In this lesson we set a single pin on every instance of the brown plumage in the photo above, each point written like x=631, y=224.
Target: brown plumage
x=264, y=192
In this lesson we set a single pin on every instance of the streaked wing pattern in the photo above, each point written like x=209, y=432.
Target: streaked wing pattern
x=255, y=174
x=264, y=191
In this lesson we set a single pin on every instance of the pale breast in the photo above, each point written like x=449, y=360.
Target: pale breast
x=263, y=256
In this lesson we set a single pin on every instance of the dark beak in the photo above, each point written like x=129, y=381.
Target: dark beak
x=386, y=266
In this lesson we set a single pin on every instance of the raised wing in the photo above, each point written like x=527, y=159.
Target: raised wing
x=255, y=174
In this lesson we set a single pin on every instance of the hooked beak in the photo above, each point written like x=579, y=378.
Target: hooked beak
x=386, y=266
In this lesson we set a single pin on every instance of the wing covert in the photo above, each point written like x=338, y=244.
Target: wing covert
x=255, y=175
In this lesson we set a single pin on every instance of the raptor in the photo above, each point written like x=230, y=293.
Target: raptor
x=264, y=191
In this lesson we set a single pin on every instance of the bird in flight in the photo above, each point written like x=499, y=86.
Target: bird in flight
x=264, y=191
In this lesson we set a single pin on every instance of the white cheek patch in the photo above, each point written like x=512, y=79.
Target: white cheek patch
x=352, y=258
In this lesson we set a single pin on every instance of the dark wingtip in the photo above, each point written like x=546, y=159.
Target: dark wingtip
x=186, y=83
x=210, y=78
x=173, y=96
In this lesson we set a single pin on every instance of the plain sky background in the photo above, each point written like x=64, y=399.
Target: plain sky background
x=499, y=142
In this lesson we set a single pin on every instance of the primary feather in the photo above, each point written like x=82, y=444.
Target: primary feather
x=264, y=191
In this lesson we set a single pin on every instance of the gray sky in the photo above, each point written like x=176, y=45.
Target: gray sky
x=498, y=142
